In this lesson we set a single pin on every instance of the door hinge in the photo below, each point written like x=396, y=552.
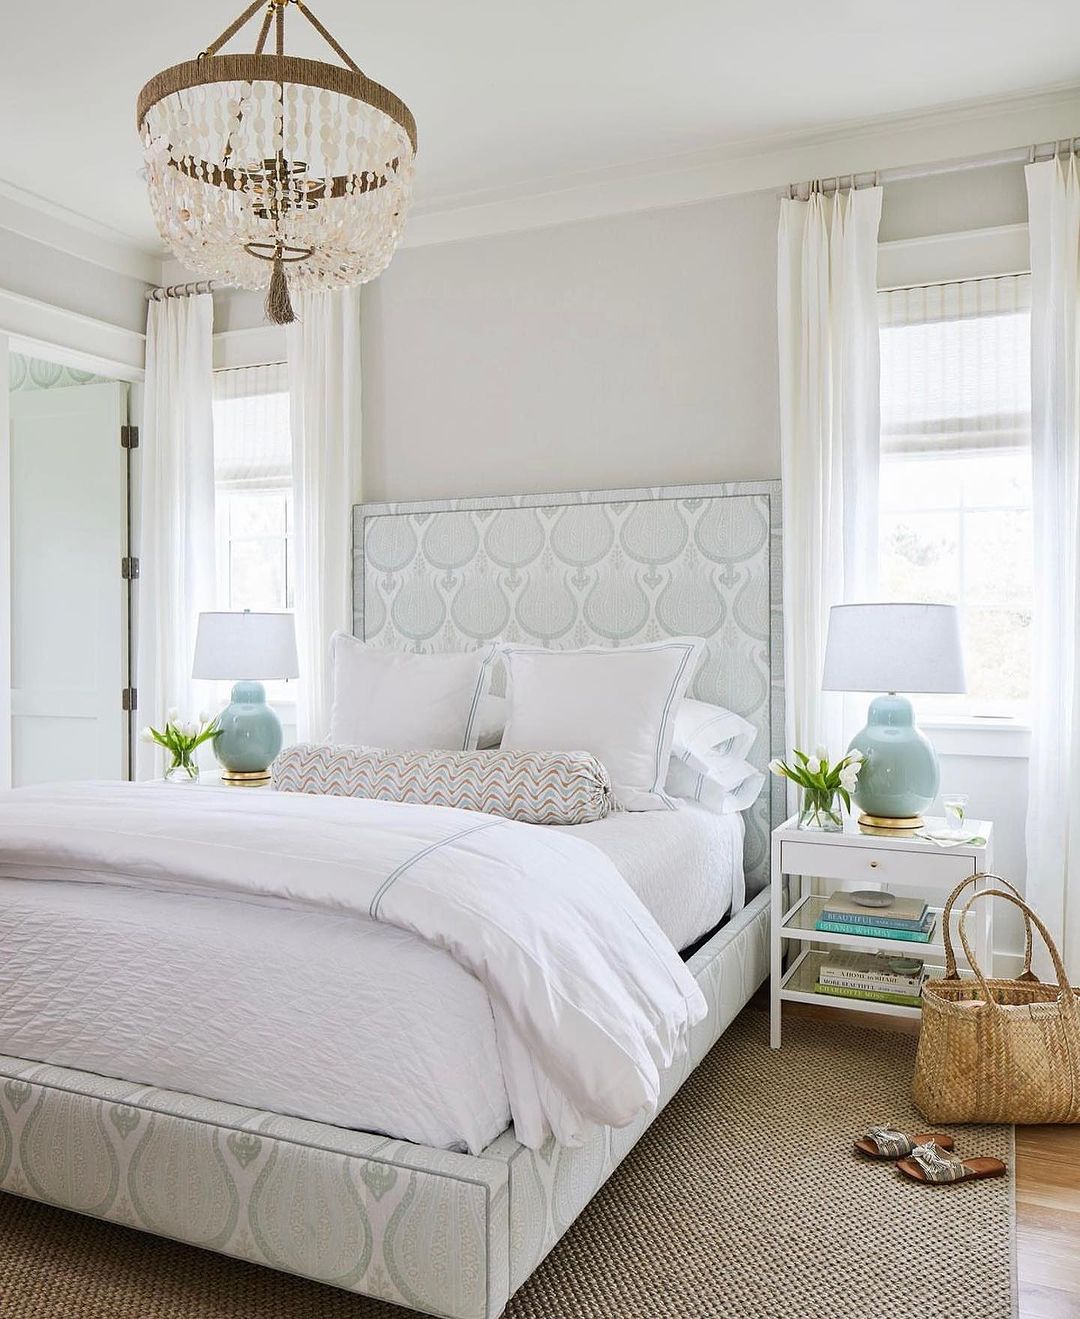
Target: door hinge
x=129, y=568
x=129, y=699
x=129, y=437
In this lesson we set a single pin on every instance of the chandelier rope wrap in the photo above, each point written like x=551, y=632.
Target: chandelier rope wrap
x=271, y=170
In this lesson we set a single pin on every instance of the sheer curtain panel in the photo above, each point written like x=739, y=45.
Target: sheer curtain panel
x=176, y=510
x=828, y=331
x=324, y=382
x=1053, y=825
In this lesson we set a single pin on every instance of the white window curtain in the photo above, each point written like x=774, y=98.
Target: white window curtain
x=176, y=510
x=829, y=364
x=252, y=443
x=324, y=383
x=1053, y=824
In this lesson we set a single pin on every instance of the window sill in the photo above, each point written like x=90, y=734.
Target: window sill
x=968, y=736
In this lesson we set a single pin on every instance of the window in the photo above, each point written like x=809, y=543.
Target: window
x=253, y=492
x=955, y=507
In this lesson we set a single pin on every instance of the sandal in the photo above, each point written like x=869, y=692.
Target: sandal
x=884, y=1143
x=930, y=1163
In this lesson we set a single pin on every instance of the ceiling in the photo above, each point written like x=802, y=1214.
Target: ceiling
x=517, y=95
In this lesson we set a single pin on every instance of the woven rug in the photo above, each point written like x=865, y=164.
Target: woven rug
x=743, y=1199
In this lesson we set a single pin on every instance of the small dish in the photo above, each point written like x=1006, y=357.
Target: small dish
x=870, y=897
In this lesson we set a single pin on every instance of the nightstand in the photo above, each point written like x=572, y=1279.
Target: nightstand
x=853, y=860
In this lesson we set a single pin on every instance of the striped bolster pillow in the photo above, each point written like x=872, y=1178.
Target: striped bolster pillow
x=536, y=787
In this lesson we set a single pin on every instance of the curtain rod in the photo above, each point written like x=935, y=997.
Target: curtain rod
x=902, y=173
x=183, y=290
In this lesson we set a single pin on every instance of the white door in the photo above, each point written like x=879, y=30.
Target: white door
x=68, y=598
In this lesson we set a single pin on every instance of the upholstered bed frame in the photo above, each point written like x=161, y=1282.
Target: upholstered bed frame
x=445, y=1233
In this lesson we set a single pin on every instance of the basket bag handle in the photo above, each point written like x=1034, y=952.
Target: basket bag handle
x=1067, y=996
x=951, y=973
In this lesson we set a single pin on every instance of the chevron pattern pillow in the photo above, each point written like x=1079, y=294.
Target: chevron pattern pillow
x=535, y=787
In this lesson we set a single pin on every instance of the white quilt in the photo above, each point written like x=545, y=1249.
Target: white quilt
x=589, y=999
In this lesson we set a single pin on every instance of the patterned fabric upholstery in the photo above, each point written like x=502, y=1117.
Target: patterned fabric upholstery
x=535, y=787
x=442, y=1233
x=595, y=568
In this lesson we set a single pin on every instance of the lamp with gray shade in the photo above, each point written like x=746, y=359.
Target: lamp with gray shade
x=246, y=646
x=894, y=648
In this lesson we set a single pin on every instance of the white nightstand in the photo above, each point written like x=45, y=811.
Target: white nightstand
x=853, y=859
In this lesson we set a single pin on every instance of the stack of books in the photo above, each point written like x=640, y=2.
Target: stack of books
x=903, y=918
x=874, y=976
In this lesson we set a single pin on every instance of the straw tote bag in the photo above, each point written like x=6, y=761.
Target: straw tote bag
x=998, y=1050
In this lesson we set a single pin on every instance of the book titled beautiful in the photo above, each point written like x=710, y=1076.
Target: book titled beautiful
x=900, y=914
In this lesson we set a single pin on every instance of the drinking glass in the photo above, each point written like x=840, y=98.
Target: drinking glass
x=955, y=806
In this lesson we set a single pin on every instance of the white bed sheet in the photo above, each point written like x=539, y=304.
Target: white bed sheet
x=304, y=1012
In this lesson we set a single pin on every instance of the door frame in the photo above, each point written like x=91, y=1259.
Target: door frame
x=114, y=369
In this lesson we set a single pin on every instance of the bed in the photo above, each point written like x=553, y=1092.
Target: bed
x=286, y=1178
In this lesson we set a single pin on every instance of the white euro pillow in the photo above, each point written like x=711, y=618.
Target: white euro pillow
x=403, y=701
x=619, y=704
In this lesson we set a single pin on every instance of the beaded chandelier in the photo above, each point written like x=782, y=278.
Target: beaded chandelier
x=272, y=171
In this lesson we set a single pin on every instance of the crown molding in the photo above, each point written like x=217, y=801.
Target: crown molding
x=962, y=131
x=44, y=221
x=41, y=330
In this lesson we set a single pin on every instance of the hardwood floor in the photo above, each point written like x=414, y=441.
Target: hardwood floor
x=1047, y=1197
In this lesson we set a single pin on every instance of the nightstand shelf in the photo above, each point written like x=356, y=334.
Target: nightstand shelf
x=801, y=977
x=851, y=860
x=799, y=923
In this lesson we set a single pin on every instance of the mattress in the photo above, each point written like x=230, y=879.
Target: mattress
x=306, y=1012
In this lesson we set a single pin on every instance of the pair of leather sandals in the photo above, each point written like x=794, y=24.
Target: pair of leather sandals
x=927, y=1157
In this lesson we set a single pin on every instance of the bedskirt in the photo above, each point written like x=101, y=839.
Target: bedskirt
x=443, y=1233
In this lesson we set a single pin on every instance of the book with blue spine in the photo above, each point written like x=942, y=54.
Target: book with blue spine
x=869, y=931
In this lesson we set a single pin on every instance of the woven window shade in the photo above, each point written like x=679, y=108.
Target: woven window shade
x=956, y=366
x=252, y=443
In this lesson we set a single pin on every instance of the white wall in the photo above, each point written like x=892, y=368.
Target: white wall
x=617, y=352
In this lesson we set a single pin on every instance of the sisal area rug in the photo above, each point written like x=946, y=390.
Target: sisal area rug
x=744, y=1199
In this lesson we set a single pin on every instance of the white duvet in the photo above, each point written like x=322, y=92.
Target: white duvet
x=588, y=998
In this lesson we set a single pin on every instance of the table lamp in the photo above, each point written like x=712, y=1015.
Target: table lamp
x=894, y=648
x=246, y=646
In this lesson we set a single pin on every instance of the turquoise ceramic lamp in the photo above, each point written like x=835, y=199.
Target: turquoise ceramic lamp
x=893, y=648
x=249, y=647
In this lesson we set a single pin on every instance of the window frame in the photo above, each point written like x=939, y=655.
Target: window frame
x=947, y=259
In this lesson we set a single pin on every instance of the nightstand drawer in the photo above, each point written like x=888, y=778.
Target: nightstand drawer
x=872, y=865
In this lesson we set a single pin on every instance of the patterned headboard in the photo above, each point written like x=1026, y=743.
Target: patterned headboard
x=605, y=567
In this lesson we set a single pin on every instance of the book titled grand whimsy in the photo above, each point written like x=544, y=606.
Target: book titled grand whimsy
x=900, y=914
x=868, y=930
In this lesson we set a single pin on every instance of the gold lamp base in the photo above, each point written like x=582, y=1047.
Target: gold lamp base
x=889, y=825
x=236, y=778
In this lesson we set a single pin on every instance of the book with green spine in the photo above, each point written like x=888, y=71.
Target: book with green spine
x=871, y=995
x=878, y=931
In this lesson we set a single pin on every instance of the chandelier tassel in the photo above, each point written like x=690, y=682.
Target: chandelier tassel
x=279, y=308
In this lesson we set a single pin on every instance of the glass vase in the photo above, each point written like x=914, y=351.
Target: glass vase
x=821, y=811
x=184, y=769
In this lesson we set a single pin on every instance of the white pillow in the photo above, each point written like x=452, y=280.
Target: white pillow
x=490, y=722
x=701, y=728
x=403, y=701
x=618, y=704
x=723, y=783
